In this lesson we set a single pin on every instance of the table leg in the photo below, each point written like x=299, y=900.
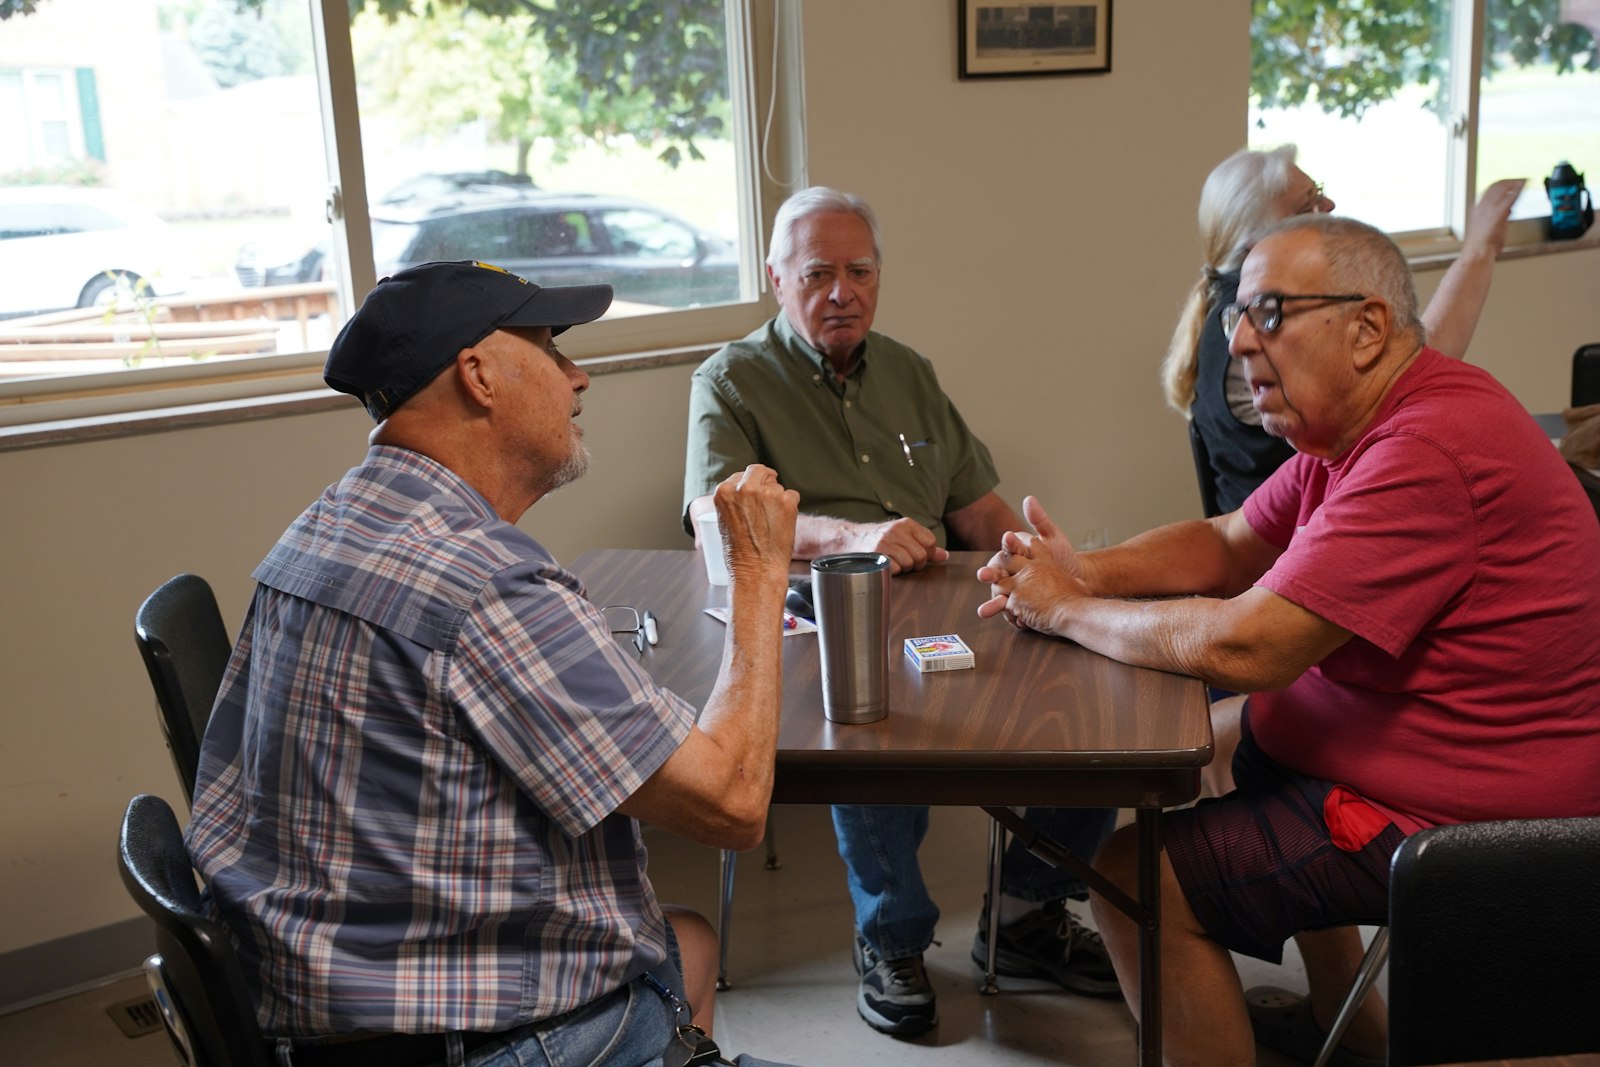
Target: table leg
x=1148, y=826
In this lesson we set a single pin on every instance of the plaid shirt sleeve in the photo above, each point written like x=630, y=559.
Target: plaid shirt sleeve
x=559, y=703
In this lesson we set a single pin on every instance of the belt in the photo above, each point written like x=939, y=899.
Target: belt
x=381, y=1050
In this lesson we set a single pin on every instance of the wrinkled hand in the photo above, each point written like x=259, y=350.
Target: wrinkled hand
x=909, y=545
x=1033, y=575
x=1486, y=226
x=757, y=516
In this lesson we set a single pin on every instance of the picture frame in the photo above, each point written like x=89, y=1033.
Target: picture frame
x=1010, y=39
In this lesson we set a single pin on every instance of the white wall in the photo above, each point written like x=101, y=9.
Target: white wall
x=1039, y=240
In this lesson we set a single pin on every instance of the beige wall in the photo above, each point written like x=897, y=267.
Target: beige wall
x=1039, y=240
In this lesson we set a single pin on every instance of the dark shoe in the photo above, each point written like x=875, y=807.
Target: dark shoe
x=1282, y=1022
x=1049, y=942
x=895, y=997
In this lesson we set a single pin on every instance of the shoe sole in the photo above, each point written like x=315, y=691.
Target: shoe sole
x=907, y=1027
x=1012, y=965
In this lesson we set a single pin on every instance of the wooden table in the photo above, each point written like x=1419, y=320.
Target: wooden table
x=1037, y=721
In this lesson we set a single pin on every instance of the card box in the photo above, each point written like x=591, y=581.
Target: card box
x=945, y=652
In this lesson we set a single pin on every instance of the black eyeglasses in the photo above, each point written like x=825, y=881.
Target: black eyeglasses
x=624, y=619
x=1266, y=310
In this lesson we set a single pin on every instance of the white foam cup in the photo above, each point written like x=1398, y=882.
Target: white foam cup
x=711, y=548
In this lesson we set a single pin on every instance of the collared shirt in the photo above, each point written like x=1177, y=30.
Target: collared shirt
x=771, y=398
x=406, y=809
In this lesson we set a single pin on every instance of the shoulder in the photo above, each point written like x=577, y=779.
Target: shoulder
x=900, y=359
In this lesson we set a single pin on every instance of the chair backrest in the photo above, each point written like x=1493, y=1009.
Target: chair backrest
x=195, y=975
x=1586, y=375
x=185, y=647
x=1494, y=932
x=1203, y=473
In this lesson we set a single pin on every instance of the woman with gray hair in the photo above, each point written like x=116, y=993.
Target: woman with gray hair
x=1245, y=196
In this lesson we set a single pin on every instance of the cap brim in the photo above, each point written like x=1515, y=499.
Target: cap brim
x=561, y=306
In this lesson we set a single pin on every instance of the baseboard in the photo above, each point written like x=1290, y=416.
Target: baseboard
x=52, y=969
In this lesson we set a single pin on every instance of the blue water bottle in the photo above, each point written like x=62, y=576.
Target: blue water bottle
x=1571, y=208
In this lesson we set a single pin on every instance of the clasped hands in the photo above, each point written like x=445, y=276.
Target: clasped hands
x=1034, y=576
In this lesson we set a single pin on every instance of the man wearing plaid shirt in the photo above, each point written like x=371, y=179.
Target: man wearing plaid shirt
x=418, y=795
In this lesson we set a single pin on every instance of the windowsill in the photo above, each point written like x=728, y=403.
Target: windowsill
x=274, y=406
x=1421, y=260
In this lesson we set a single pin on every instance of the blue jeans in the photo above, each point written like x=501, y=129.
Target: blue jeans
x=629, y=1027
x=893, y=910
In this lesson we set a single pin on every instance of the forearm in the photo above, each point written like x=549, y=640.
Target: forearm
x=740, y=718
x=818, y=535
x=1180, y=558
x=1250, y=644
x=981, y=524
x=1452, y=315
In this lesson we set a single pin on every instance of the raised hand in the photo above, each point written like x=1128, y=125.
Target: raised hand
x=757, y=515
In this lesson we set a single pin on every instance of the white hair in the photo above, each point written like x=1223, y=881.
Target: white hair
x=817, y=200
x=1236, y=207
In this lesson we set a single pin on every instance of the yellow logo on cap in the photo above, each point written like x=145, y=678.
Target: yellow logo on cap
x=502, y=270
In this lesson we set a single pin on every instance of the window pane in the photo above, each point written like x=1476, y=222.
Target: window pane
x=1351, y=90
x=1539, y=100
x=588, y=143
x=167, y=156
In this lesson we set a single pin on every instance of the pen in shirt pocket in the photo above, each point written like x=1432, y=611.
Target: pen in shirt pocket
x=907, y=446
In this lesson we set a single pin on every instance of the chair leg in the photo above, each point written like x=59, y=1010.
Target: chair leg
x=1371, y=964
x=997, y=851
x=725, y=899
x=725, y=916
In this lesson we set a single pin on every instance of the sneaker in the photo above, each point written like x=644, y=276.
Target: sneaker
x=1049, y=942
x=895, y=997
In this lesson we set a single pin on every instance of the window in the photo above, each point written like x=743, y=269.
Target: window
x=558, y=141
x=1392, y=114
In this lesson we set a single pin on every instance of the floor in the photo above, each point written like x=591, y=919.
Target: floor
x=793, y=995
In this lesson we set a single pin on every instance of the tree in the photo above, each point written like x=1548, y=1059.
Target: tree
x=434, y=75
x=239, y=46
x=1349, y=55
x=654, y=70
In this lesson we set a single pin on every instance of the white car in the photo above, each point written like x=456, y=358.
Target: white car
x=65, y=247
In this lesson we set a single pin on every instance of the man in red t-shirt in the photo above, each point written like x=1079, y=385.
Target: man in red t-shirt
x=1399, y=596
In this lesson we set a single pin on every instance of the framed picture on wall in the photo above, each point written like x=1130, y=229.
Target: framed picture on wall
x=1000, y=39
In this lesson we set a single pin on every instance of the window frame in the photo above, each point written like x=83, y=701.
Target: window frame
x=1437, y=247
x=763, y=52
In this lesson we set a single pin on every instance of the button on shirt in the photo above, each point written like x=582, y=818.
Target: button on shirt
x=771, y=398
x=406, y=811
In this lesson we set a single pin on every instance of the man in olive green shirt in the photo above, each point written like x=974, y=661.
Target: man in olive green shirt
x=857, y=424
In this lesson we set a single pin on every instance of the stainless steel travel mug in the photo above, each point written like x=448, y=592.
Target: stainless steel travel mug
x=851, y=594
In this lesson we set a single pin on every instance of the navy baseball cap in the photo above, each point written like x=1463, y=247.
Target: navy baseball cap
x=414, y=323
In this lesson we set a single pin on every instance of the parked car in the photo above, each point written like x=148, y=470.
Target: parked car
x=286, y=260
x=64, y=247
x=421, y=186
x=648, y=255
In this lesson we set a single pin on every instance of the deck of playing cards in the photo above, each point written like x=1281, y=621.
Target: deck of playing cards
x=946, y=652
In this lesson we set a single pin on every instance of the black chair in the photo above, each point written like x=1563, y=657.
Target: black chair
x=195, y=976
x=185, y=648
x=1591, y=485
x=1494, y=932
x=1203, y=473
x=1586, y=376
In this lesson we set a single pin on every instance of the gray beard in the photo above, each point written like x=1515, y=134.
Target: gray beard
x=574, y=467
